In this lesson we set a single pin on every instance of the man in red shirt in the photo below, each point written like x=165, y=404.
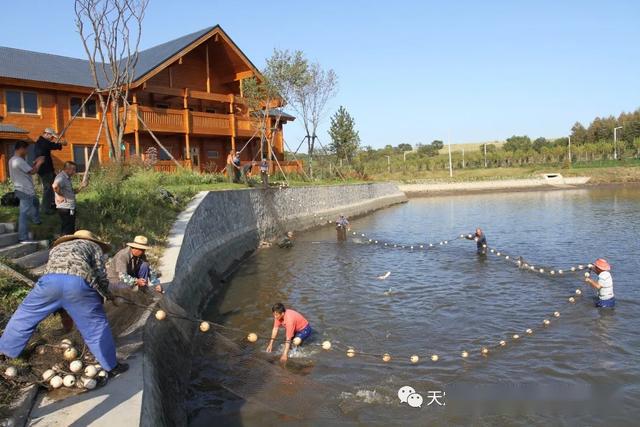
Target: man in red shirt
x=295, y=325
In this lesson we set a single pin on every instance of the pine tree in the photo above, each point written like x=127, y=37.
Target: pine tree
x=344, y=137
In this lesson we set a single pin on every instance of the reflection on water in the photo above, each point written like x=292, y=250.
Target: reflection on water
x=445, y=301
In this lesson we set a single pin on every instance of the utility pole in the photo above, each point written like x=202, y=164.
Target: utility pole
x=615, y=140
x=485, y=155
x=450, y=164
x=388, y=164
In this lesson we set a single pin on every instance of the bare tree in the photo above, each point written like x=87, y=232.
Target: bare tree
x=310, y=102
x=110, y=31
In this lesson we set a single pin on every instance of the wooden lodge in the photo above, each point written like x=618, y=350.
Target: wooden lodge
x=187, y=91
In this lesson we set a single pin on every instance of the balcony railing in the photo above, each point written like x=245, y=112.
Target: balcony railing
x=170, y=166
x=194, y=122
x=210, y=123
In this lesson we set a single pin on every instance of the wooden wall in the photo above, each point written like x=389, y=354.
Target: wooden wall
x=54, y=111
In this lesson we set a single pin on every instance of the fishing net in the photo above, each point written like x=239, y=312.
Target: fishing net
x=241, y=368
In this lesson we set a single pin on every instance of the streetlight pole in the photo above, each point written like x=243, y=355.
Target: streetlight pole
x=485, y=155
x=450, y=164
x=615, y=140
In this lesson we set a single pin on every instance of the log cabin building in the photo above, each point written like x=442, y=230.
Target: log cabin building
x=188, y=91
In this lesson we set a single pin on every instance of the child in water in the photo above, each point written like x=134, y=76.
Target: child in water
x=295, y=325
x=604, y=285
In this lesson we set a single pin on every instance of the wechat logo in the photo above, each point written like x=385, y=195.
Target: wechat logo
x=409, y=396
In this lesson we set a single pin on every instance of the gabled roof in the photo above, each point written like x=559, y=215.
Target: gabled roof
x=45, y=67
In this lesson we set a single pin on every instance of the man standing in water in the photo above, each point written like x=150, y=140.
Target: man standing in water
x=342, y=226
x=604, y=285
x=295, y=326
x=481, y=241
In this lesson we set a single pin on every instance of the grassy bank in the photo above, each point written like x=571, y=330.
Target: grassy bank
x=600, y=173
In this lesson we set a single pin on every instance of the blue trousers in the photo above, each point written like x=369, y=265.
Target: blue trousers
x=29, y=210
x=605, y=303
x=304, y=333
x=144, y=271
x=81, y=302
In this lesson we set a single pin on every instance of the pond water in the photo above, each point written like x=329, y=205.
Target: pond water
x=584, y=369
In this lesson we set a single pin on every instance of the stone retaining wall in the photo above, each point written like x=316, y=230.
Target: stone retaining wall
x=214, y=234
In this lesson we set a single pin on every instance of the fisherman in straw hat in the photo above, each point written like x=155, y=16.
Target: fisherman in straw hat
x=75, y=279
x=131, y=261
x=604, y=285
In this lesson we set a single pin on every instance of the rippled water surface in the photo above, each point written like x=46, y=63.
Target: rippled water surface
x=585, y=368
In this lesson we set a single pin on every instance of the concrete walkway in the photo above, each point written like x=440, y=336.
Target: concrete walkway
x=115, y=405
x=502, y=185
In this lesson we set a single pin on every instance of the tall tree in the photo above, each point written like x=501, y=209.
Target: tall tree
x=303, y=86
x=110, y=31
x=345, y=139
x=310, y=101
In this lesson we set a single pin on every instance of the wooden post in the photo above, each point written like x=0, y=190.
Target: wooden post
x=136, y=137
x=56, y=116
x=206, y=48
x=269, y=135
x=187, y=124
x=233, y=123
x=136, y=124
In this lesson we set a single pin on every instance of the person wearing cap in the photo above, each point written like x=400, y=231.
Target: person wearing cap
x=604, y=285
x=132, y=261
x=43, y=148
x=20, y=172
x=481, y=241
x=75, y=280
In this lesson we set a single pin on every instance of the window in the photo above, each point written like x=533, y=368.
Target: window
x=90, y=109
x=163, y=106
x=81, y=154
x=212, y=154
x=162, y=155
x=22, y=102
x=210, y=110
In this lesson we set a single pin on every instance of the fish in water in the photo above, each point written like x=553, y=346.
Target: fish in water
x=385, y=275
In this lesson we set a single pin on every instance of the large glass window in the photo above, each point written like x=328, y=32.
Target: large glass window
x=81, y=155
x=90, y=109
x=22, y=102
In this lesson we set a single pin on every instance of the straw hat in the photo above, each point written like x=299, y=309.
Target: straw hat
x=84, y=235
x=140, y=242
x=602, y=264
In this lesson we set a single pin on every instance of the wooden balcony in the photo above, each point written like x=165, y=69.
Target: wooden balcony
x=193, y=122
x=210, y=123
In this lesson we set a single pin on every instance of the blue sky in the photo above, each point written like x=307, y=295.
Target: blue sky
x=413, y=71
